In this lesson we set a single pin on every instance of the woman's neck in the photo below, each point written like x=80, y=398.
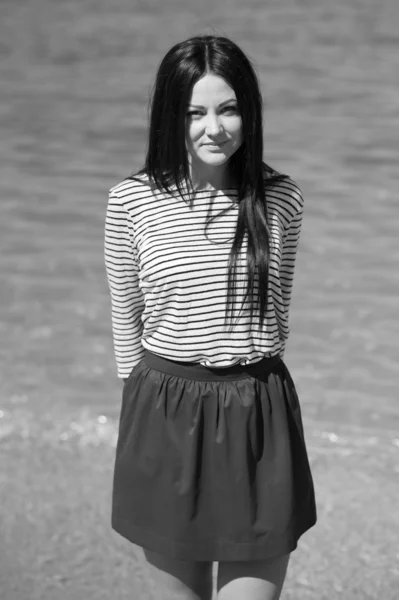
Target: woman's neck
x=212, y=180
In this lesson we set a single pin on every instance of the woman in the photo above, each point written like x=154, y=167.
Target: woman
x=211, y=463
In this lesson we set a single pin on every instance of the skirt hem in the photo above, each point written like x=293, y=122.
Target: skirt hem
x=212, y=550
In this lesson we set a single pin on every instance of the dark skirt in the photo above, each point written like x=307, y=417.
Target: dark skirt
x=211, y=464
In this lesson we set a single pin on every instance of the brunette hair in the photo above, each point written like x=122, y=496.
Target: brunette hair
x=166, y=163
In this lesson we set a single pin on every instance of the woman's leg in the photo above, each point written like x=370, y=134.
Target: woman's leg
x=252, y=580
x=178, y=579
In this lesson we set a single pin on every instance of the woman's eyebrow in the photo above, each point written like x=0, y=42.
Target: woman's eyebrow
x=221, y=104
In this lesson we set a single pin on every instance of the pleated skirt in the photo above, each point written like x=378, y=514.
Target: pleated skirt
x=211, y=464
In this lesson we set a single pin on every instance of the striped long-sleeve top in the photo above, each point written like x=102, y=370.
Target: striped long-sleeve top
x=168, y=280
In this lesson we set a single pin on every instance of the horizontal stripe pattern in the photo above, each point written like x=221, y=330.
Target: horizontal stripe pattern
x=168, y=280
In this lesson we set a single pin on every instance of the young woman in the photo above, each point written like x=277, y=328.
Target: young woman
x=211, y=462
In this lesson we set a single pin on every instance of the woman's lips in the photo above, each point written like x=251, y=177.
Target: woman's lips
x=215, y=145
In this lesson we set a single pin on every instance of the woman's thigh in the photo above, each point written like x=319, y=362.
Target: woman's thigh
x=178, y=579
x=252, y=580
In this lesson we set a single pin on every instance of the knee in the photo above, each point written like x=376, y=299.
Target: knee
x=253, y=580
x=188, y=580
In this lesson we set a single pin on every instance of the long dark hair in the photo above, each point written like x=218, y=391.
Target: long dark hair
x=167, y=164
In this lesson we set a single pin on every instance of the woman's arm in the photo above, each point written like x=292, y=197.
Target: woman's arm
x=289, y=253
x=127, y=300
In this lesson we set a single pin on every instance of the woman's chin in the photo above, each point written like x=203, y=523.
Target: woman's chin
x=214, y=160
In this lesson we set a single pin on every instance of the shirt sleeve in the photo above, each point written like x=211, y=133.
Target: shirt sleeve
x=127, y=300
x=288, y=258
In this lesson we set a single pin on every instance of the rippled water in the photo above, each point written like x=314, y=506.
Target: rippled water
x=75, y=81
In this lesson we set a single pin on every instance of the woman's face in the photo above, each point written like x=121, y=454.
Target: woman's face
x=213, y=123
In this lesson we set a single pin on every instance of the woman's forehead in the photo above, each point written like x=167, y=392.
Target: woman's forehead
x=211, y=89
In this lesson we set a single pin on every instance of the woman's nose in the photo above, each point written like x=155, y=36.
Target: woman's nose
x=213, y=125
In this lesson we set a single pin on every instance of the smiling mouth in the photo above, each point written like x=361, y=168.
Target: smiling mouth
x=215, y=145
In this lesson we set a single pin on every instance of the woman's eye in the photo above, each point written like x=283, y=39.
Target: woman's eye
x=227, y=110
x=230, y=109
x=194, y=113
